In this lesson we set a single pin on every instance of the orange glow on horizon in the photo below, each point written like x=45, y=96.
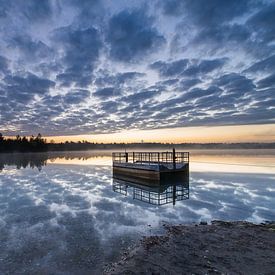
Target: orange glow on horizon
x=238, y=133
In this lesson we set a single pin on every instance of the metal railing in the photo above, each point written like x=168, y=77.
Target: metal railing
x=167, y=194
x=150, y=158
x=172, y=194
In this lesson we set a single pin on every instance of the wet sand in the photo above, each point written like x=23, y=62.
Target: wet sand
x=218, y=248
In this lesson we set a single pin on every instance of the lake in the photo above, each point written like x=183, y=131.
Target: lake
x=61, y=213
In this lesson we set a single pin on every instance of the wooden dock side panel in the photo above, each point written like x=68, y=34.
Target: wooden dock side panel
x=136, y=175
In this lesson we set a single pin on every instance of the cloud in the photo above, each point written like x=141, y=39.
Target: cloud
x=186, y=84
x=223, y=27
x=80, y=53
x=3, y=9
x=31, y=49
x=95, y=66
x=197, y=93
x=170, y=69
x=213, y=12
x=204, y=67
x=30, y=10
x=267, y=82
x=109, y=106
x=131, y=36
x=265, y=65
x=88, y=11
x=140, y=96
x=37, y=11
x=263, y=23
x=26, y=86
x=106, y=92
x=3, y=65
x=117, y=79
x=235, y=83
x=220, y=37
x=76, y=96
x=187, y=67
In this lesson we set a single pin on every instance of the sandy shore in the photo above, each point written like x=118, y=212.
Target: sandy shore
x=219, y=248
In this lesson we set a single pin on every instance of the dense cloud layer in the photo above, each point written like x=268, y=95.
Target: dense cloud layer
x=71, y=67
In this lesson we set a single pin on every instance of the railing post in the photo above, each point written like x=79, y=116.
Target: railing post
x=126, y=157
x=174, y=159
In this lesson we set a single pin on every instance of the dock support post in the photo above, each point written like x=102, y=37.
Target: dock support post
x=158, y=159
x=126, y=157
x=174, y=159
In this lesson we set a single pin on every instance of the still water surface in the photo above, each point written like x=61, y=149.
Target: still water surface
x=59, y=213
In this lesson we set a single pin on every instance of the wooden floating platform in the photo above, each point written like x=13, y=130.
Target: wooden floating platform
x=151, y=168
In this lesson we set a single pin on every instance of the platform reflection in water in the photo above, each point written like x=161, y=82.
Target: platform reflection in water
x=156, y=195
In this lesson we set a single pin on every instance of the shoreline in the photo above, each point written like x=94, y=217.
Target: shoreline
x=218, y=248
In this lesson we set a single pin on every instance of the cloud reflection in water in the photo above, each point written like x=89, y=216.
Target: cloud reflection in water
x=66, y=218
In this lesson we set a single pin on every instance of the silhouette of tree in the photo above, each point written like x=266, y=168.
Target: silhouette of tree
x=23, y=144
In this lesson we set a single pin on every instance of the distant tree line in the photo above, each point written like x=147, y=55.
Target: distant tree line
x=39, y=144
x=23, y=144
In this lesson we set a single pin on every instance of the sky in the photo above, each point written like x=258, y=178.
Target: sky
x=174, y=70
